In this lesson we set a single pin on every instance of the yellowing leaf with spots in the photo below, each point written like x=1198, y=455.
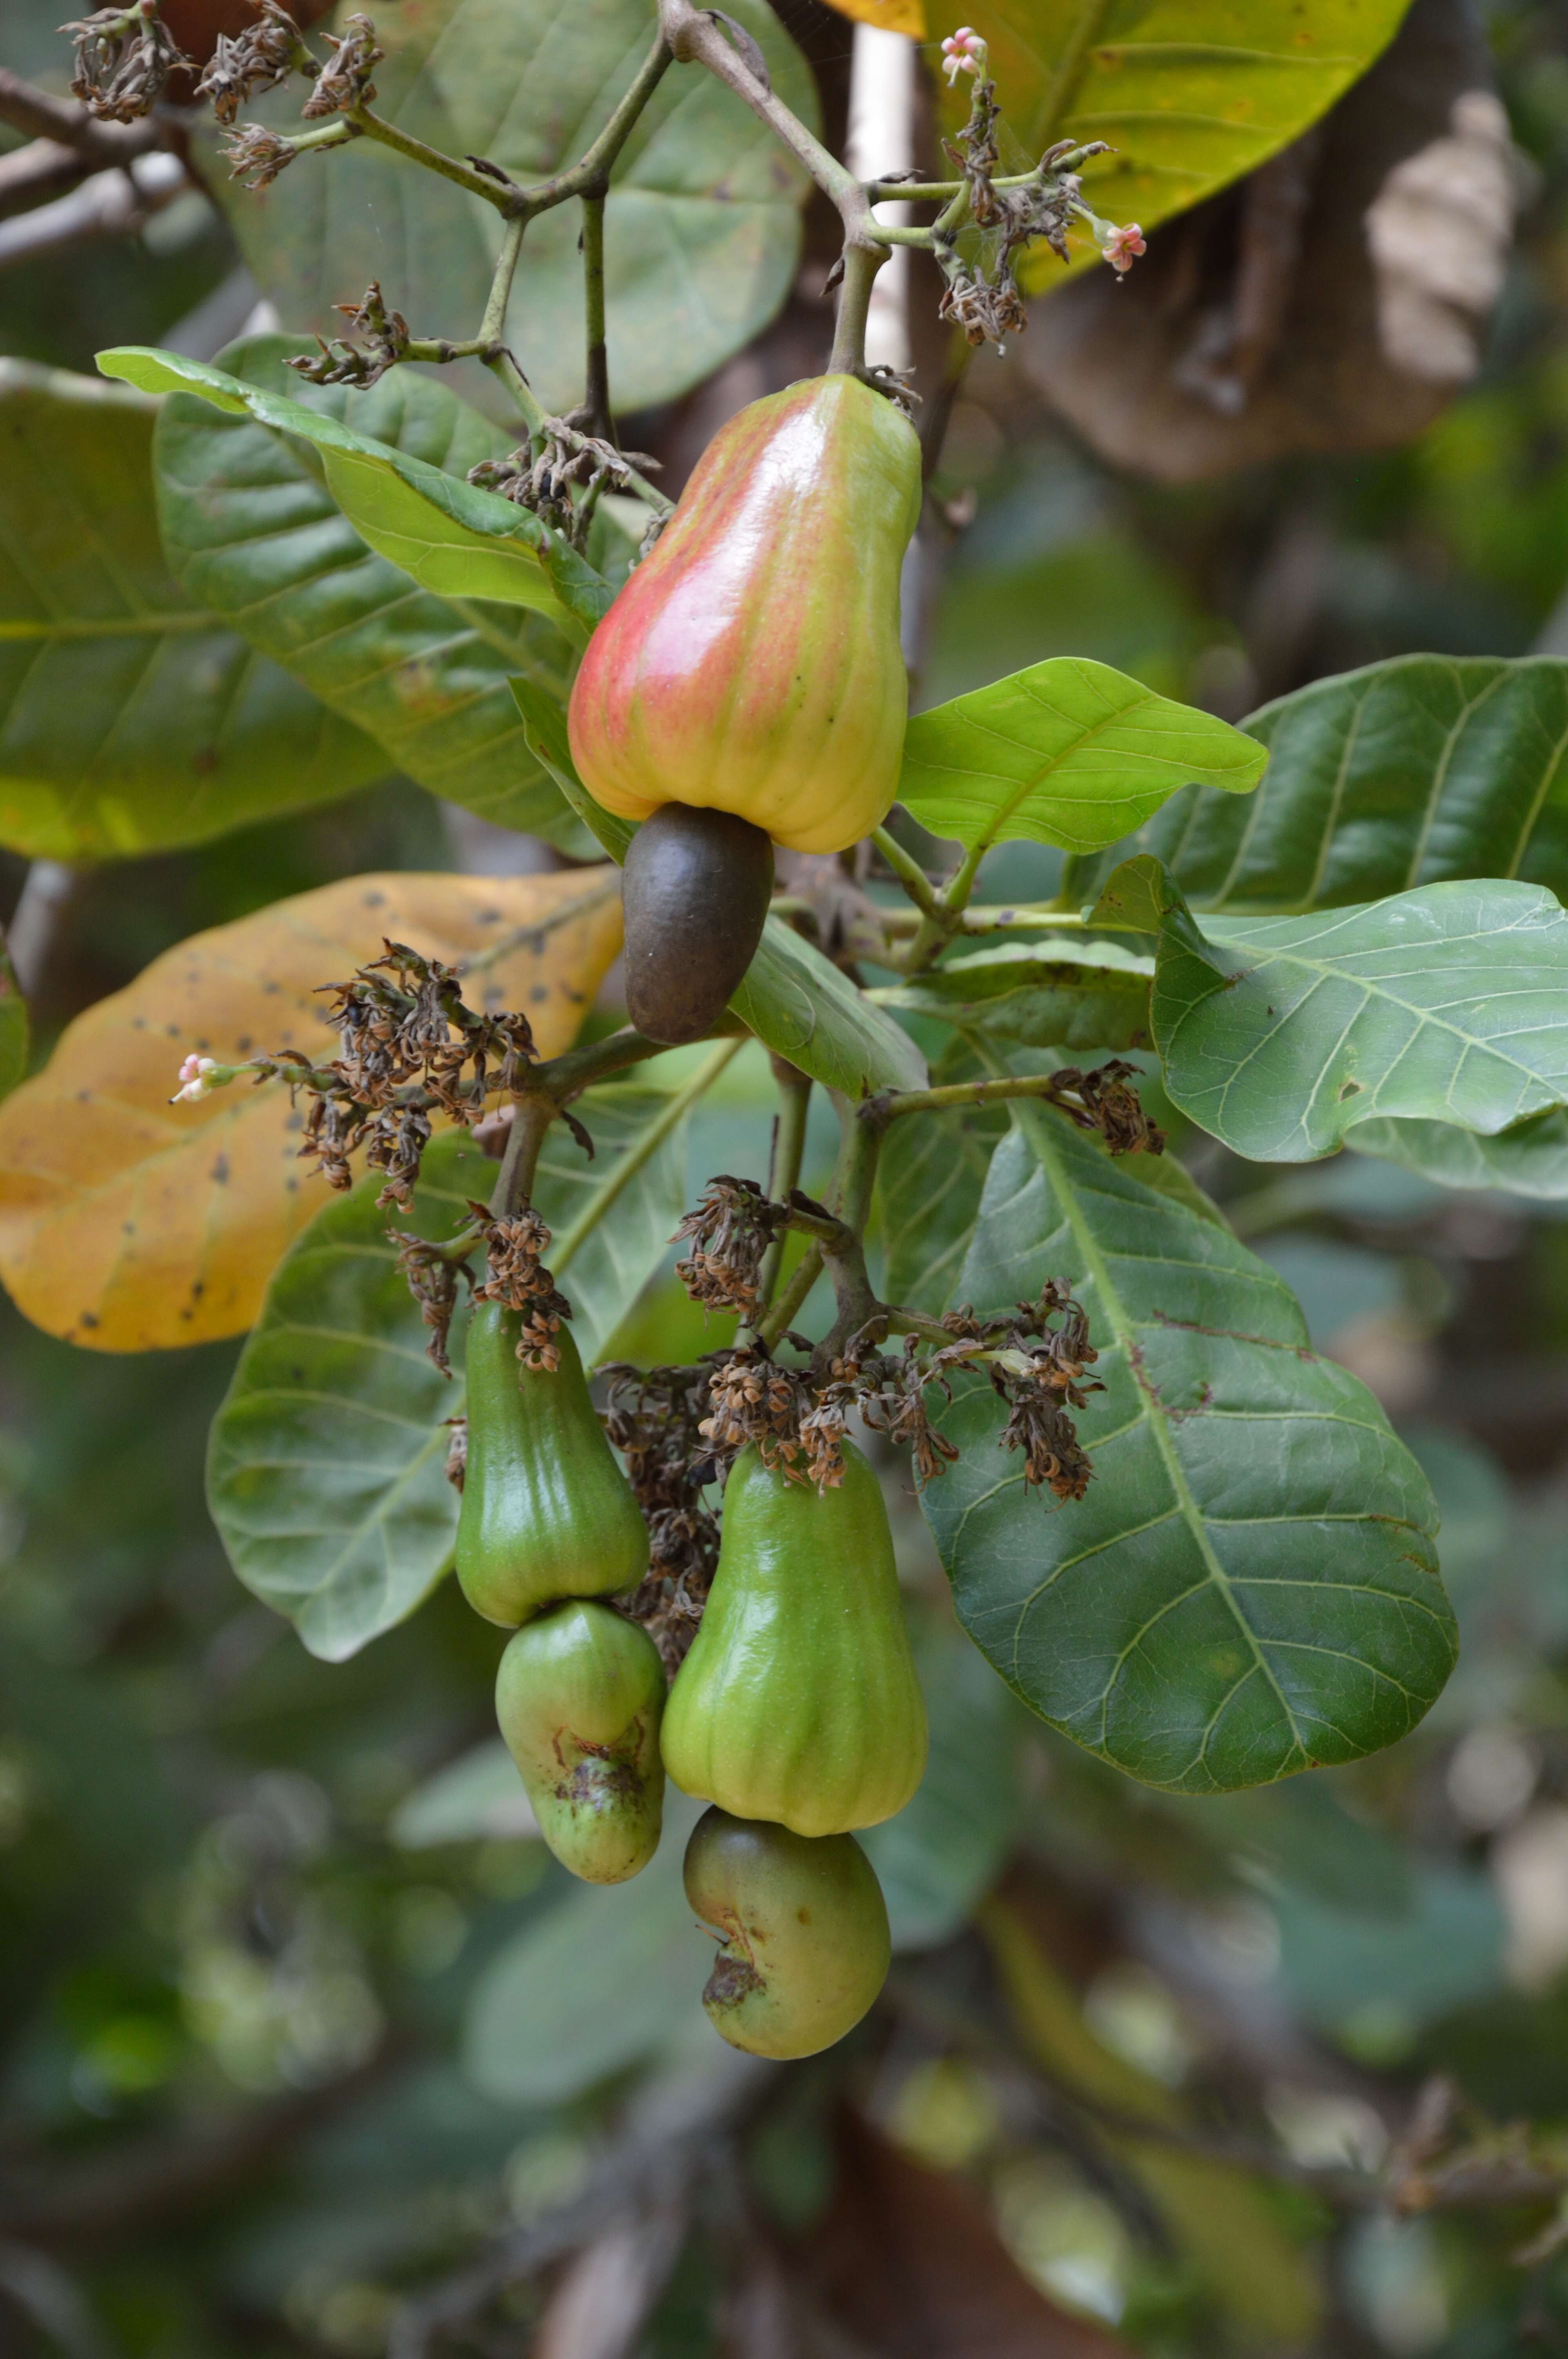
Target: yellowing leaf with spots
x=128, y=1223
x=895, y=15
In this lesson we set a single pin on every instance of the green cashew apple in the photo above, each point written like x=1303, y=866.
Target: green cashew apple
x=577, y=1696
x=751, y=664
x=547, y=1511
x=803, y=1945
x=799, y=1701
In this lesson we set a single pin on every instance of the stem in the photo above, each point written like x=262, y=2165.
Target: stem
x=789, y=1148
x=908, y=871
x=807, y=1271
x=644, y=1148
x=937, y=930
x=594, y=165
x=492, y=327
x=597, y=398
x=862, y=265
x=499, y=193
x=530, y=408
x=515, y=1185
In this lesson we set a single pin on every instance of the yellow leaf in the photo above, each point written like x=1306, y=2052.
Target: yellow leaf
x=894, y=16
x=1212, y=2208
x=127, y=1224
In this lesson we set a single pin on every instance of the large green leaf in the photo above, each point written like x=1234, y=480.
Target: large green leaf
x=1450, y=1004
x=1190, y=93
x=1530, y=1159
x=946, y=1849
x=1069, y=752
x=251, y=528
x=1056, y=994
x=445, y=533
x=130, y=718
x=1249, y=1586
x=800, y=1006
x=1406, y=772
x=702, y=227
x=326, y=1471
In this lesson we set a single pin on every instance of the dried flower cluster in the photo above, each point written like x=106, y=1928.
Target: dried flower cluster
x=433, y=1273
x=123, y=57
x=257, y=156
x=344, y=82
x=1103, y=1100
x=542, y=481
x=518, y=1278
x=385, y=340
x=797, y=1421
x=731, y=1231
x=257, y=60
x=654, y=1419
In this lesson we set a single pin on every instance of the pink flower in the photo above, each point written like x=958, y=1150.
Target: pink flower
x=1123, y=246
x=963, y=52
x=193, y=1079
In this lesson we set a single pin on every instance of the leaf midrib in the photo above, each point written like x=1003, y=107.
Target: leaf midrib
x=1036, y=1126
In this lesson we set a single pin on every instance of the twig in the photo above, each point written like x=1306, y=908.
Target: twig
x=109, y=204
x=644, y=1148
x=788, y=1153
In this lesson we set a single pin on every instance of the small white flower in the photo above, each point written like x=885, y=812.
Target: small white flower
x=963, y=52
x=193, y=1079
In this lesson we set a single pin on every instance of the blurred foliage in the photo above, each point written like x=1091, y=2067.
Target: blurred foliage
x=241, y=2115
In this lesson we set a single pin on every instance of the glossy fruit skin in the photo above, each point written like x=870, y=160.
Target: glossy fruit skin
x=696, y=892
x=806, y=1945
x=546, y=1512
x=579, y=1697
x=798, y=1702
x=751, y=663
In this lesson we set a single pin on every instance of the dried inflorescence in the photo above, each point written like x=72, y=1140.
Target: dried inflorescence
x=731, y=1231
x=755, y=1401
x=123, y=57
x=1040, y=1372
x=517, y=1276
x=433, y=1273
x=409, y=1045
x=344, y=82
x=257, y=60
x=543, y=480
x=257, y=156
x=1103, y=1100
x=654, y=1419
x=385, y=339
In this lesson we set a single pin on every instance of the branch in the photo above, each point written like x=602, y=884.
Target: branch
x=65, y=123
x=109, y=204
x=643, y=1150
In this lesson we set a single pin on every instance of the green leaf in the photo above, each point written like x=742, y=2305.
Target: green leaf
x=442, y=531
x=1530, y=1159
x=800, y=1006
x=930, y=1178
x=946, y=1849
x=544, y=727
x=15, y=1032
x=599, y=1984
x=251, y=527
x=1406, y=772
x=1249, y=1587
x=1190, y=93
x=1069, y=752
x=478, y=1798
x=702, y=233
x=1058, y=994
x=326, y=1469
x=130, y=718
x=1282, y=1034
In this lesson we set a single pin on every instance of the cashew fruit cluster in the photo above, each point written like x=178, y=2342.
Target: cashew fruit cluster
x=752, y=667
x=549, y=1524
